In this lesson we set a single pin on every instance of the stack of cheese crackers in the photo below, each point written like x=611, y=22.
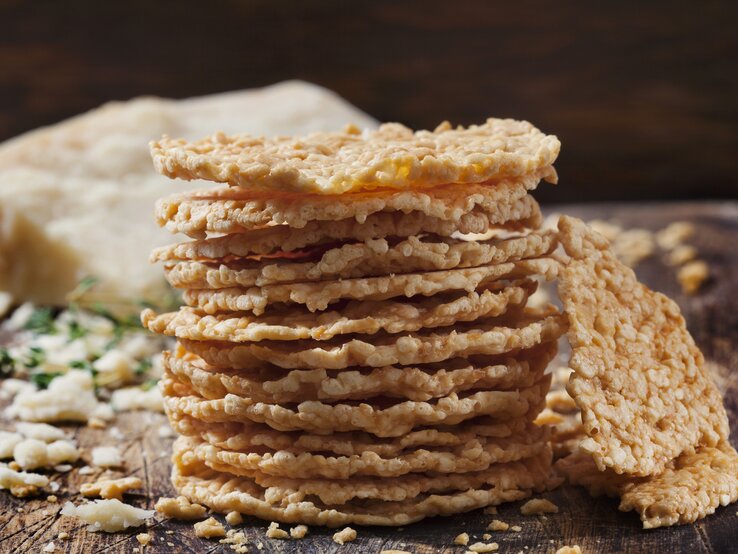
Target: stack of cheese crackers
x=350, y=352
x=358, y=345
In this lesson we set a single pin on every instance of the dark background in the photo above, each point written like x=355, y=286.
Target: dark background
x=643, y=95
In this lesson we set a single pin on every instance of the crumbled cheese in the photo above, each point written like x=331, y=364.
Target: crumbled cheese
x=63, y=536
x=106, y=456
x=209, y=528
x=497, y=525
x=462, y=539
x=136, y=398
x=344, y=536
x=234, y=518
x=86, y=470
x=70, y=397
x=114, y=368
x=110, y=516
x=30, y=454
x=165, y=431
x=536, y=506
x=274, y=532
x=111, y=488
x=179, y=508
x=21, y=483
x=8, y=442
x=299, y=532
x=143, y=539
x=41, y=431
x=51, y=547
x=236, y=540
x=11, y=387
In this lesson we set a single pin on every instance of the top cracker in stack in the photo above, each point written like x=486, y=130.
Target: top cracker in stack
x=348, y=353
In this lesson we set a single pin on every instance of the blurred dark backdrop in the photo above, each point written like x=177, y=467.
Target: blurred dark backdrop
x=644, y=95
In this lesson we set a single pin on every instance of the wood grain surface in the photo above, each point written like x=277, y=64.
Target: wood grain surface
x=594, y=524
x=644, y=95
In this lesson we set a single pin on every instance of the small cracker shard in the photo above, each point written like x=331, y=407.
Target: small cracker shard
x=340, y=162
x=639, y=379
x=692, y=275
x=536, y=506
x=274, y=532
x=345, y=535
x=569, y=550
x=209, y=529
x=111, y=488
x=179, y=508
x=462, y=539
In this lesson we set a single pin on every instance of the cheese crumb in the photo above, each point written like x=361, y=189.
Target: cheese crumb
x=209, y=529
x=110, y=516
x=234, y=518
x=106, y=456
x=462, y=539
x=111, y=488
x=681, y=255
x=299, y=532
x=486, y=536
x=8, y=442
x=63, y=536
x=52, y=499
x=69, y=397
x=537, y=506
x=497, y=525
x=344, y=536
x=51, y=547
x=274, y=532
x=143, y=539
x=20, y=483
x=136, y=398
x=41, y=431
x=482, y=547
x=179, y=508
x=516, y=528
x=692, y=275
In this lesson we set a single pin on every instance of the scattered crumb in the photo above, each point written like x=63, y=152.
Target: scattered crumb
x=143, y=539
x=63, y=536
x=274, y=532
x=234, y=518
x=299, y=532
x=86, y=470
x=486, y=536
x=491, y=510
x=344, y=536
x=95, y=422
x=51, y=498
x=497, y=525
x=209, y=529
x=674, y=234
x=462, y=539
x=482, y=547
x=236, y=540
x=106, y=456
x=536, y=506
x=569, y=550
x=179, y=508
x=681, y=255
x=516, y=528
x=51, y=547
x=111, y=488
x=110, y=516
x=21, y=483
x=692, y=275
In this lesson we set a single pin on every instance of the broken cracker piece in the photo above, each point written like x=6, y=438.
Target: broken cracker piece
x=537, y=506
x=179, y=508
x=111, y=488
x=274, y=532
x=345, y=535
x=692, y=275
x=209, y=529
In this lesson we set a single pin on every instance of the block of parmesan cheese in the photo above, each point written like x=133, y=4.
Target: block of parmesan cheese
x=77, y=198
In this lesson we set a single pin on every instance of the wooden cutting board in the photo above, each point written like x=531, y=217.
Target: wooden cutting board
x=594, y=524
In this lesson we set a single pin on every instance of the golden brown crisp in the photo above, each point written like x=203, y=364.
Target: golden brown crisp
x=340, y=162
x=179, y=508
x=111, y=488
x=639, y=379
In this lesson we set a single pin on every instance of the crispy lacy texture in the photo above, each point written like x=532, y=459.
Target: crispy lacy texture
x=423, y=347
x=364, y=259
x=379, y=416
x=295, y=323
x=690, y=487
x=639, y=379
x=476, y=454
x=223, y=492
x=257, y=437
x=418, y=383
x=341, y=162
x=442, y=211
x=317, y=296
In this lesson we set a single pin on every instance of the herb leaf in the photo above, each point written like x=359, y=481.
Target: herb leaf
x=42, y=380
x=41, y=321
